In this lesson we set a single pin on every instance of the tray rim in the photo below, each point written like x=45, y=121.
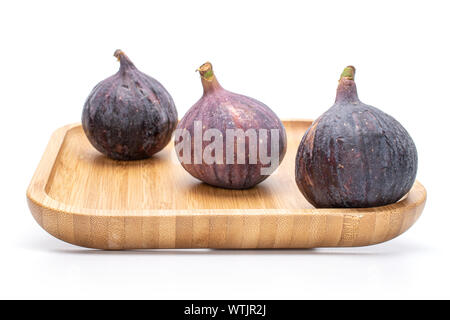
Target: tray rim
x=37, y=194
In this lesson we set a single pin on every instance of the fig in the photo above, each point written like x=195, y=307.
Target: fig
x=130, y=115
x=355, y=155
x=229, y=140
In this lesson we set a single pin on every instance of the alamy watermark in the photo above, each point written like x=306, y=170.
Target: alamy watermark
x=191, y=150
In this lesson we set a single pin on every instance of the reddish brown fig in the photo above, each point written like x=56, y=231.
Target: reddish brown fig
x=130, y=115
x=355, y=155
x=229, y=140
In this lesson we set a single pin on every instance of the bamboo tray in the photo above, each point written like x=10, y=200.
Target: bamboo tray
x=84, y=198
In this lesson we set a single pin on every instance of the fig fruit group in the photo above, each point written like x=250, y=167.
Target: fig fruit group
x=229, y=140
x=355, y=155
x=130, y=115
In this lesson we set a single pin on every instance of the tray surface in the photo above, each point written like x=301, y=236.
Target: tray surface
x=97, y=182
x=80, y=196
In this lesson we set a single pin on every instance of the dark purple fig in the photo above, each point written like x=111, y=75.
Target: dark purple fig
x=355, y=155
x=130, y=115
x=229, y=140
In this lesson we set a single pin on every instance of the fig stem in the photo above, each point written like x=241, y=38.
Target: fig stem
x=206, y=71
x=125, y=62
x=209, y=80
x=118, y=53
x=346, y=91
x=348, y=73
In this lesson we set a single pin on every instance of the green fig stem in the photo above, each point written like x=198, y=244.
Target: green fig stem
x=346, y=91
x=348, y=73
x=209, y=80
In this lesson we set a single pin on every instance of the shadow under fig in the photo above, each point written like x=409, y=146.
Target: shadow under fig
x=102, y=160
x=204, y=189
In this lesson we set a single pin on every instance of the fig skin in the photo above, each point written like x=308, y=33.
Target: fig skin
x=355, y=155
x=222, y=110
x=130, y=115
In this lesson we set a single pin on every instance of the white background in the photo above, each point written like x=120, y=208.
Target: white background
x=288, y=54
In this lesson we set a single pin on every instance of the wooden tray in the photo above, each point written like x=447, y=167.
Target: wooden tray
x=84, y=198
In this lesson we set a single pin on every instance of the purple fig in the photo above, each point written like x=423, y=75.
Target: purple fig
x=355, y=155
x=245, y=134
x=130, y=115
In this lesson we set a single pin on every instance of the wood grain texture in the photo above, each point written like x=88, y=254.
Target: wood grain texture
x=84, y=198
